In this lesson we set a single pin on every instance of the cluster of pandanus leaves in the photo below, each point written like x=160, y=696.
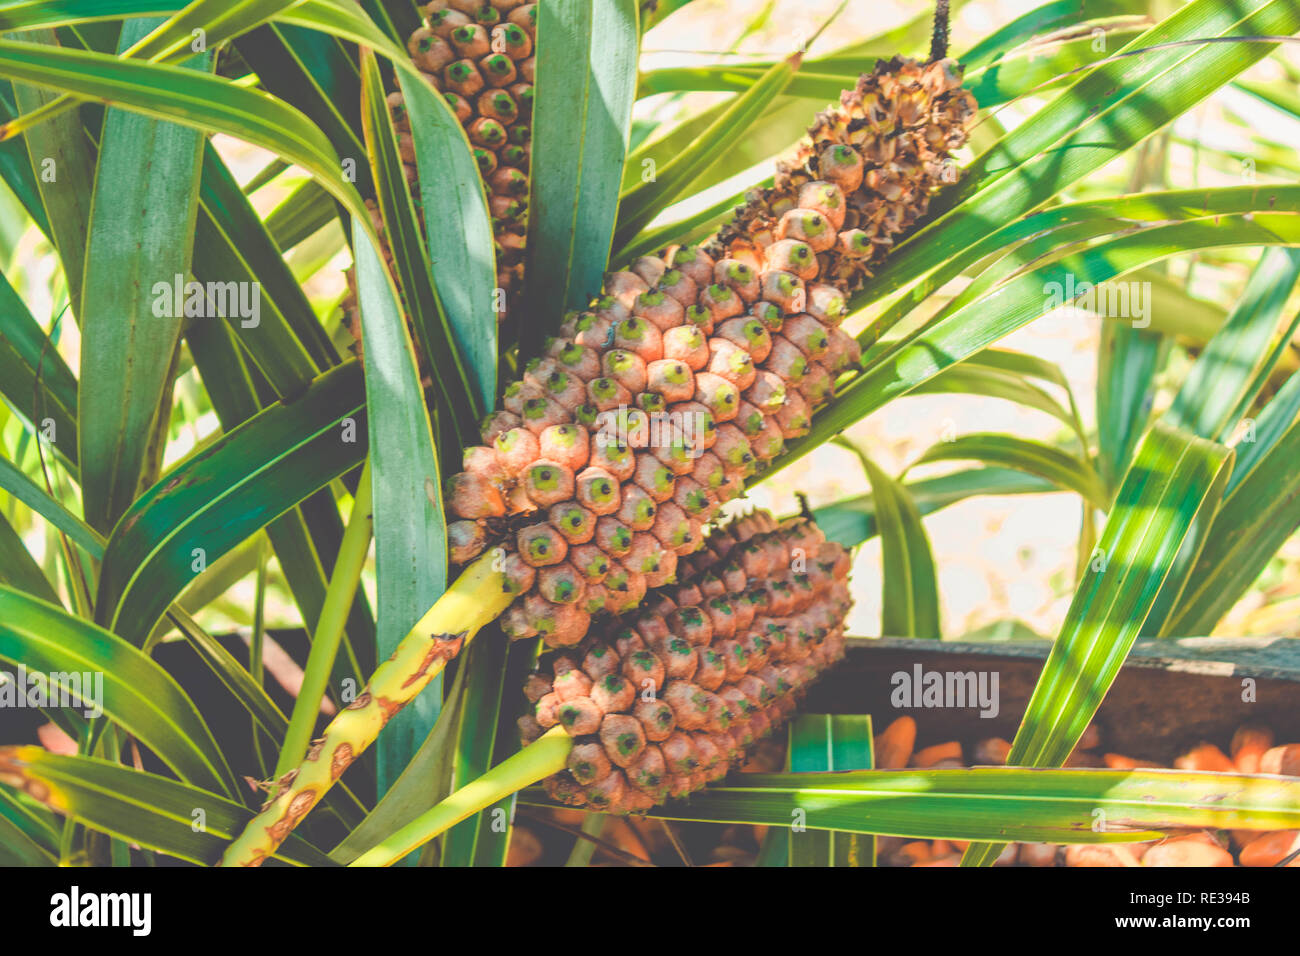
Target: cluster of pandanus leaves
x=113, y=170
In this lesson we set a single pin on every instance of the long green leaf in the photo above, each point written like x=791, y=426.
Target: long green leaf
x=183, y=96
x=460, y=246
x=219, y=497
x=1259, y=514
x=19, y=569
x=909, y=589
x=476, y=738
x=1086, y=219
x=1033, y=457
x=16, y=166
x=183, y=821
x=146, y=187
x=671, y=175
x=1175, y=484
x=25, y=490
x=1127, y=362
x=64, y=165
x=1142, y=104
x=18, y=847
x=586, y=79
x=1221, y=381
x=958, y=335
x=1001, y=803
x=232, y=674
x=313, y=72
x=1096, y=100
x=825, y=743
x=306, y=539
x=137, y=694
x=1050, y=17
x=852, y=521
x=410, y=530
x=411, y=269
x=287, y=341
x=33, y=375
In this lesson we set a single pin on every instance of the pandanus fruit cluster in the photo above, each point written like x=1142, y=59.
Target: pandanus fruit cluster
x=652, y=407
x=664, y=700
x=611, y=458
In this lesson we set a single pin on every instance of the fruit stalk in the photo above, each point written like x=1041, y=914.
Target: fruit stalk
x=339, y=596
x=476, y=599
x=545, y=756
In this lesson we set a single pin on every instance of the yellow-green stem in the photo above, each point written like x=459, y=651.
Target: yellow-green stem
x=476, y=598
x=584, y=850
x=329, y=629
x=537, y=761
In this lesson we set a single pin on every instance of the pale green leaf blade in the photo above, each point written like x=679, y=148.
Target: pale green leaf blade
x=146, y=190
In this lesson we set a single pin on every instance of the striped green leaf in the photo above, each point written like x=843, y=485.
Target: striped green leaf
x=216, y=499
x=16, y=166
x=826, y=743
x=137, y=694
x=29, y=493
x=1033, y=457
x=410, y=530
x=852, y=521
x=670, y=175
x=586, y=77
x=63, y=162
x=1260, y=512
x=184, y=821
x=939, y=345
x=1225, y=377
x=1001, y=803
x=460, y=243
x=1173, y=487
x=34, y=378
x=410, y=260
x=1141, y=101
x=909, y=587
x=19, y=569
x=145, y=187
x=1127, y=362
x=477, y=727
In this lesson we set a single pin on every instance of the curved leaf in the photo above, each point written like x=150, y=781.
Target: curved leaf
x=1141, y=104
x=963, y=333
x=909, y=590
x=33, y=375
x=673, y=173
x=19, y=569
x=29, y=493
x=586, y=79
x=183, y=821
x=457, y=405
x=1259, y=514
x=1173, y=487
x=410, y=530
x=64, y=160
x=459, y=237
x=1221, y=382
x=1033, y=457
x=145, y=187
x=1004, y=803
x=217, y=498
x=852, y=521
x=137, y=694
